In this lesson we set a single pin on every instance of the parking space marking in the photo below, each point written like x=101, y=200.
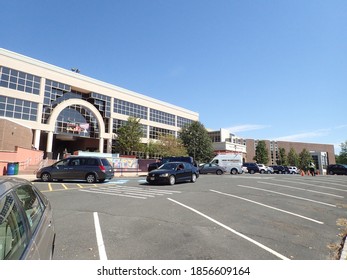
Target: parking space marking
x=132, y=192
x=99, y=239
x=296, y=188
x=271, y=207
x=327, y=182
x=289, y=195
x=116, y=194
x=313, y=185
x=232, y=230
x=50, y=187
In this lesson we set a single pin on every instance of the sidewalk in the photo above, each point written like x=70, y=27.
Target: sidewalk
x=32, y=177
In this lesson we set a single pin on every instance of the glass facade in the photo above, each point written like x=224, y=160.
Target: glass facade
x=156, y=132
x=130, y=109
x=21, y=81
x=161, y=117
x=181, y=122
x=17, y=108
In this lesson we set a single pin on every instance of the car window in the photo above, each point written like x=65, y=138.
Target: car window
x=105, y=162
x=75, y=161
x=64, y=162
x=32, y=205
x=13, y=236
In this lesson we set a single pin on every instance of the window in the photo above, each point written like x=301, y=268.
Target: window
x=18, y=80
x=12, y=229
x=32, y=204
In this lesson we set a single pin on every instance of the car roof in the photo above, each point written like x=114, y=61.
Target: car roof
x=7, y=183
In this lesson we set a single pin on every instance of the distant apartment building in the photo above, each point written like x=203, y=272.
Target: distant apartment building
x=225, y=142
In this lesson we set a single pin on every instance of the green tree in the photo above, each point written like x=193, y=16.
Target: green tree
x=293, y=158
x=169, y=145
x=342, y=157
x=129, y=136
x=282, y=157
x=197, y=142
x=261, y=153
x=305, y=159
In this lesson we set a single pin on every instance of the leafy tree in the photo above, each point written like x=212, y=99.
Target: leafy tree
x=129, y=136
x=282, y=157
x=305, y=159
x=169, y=145
x=197, y=142
x=342, y=157
x=261, y=153
x=293, y=158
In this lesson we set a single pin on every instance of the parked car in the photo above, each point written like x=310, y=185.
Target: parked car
x=231, y=162
x=270, y=170
x=252, y=167
x=87, y=168
x=280, y=169
x=293, y=170
x=26, y=221
x=156, y=164
x=211, y=168
x=338, y=169
x=173, y=172
x=262, y=168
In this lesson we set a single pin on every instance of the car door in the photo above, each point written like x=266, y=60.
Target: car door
x=77, y=168
x=40, y=223
x=180, y=172
x=60, y=170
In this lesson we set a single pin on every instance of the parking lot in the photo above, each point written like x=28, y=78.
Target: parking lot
x=242, y=217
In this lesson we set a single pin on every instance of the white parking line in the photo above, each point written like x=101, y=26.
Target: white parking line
x=296, y=188
x=233, y=231
x=99, y=239
x=271, y=207
x=116, y=194
x=313, y=185
x=289, y=195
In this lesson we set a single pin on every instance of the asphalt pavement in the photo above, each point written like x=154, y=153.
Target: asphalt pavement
x=32, y=177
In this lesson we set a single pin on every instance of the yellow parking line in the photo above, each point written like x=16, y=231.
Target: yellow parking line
x=50, y=187
x=65, y=187
x=80, y=186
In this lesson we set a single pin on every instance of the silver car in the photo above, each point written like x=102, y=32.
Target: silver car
x=26, y=221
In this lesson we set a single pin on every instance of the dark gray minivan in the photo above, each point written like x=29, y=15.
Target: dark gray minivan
x=88, y=168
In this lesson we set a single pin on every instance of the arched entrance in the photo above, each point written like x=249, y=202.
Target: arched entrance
x=75, y=124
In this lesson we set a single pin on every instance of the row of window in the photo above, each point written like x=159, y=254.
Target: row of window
x=17, y=108
x=20, y=81
x=55, y=92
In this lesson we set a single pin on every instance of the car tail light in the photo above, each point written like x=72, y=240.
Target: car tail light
x=102, y=168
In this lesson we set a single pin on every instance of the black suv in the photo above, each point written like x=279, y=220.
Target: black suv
x=87, y=168
x=252, y=167
x=155, y=165
x=280, y=169
x=339, y=169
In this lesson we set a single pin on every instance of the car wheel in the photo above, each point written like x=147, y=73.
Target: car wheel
x=252, y=172
x=262, y=171
x=331, y=173
x=91, y=178
x=219, y=172
x=233, y=171
x=46, y=177
x=193, y=180
x=172, y=180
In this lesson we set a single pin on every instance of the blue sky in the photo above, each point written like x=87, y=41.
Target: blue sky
x=264, y=69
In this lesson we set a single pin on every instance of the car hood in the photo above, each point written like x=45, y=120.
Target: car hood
x=160, y=171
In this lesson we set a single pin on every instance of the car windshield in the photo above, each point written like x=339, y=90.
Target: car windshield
x=168, y=166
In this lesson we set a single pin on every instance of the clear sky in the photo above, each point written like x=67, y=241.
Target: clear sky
x=265, y=69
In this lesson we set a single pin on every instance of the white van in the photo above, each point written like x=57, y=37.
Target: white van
x=231, y=162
